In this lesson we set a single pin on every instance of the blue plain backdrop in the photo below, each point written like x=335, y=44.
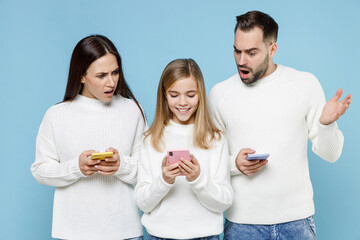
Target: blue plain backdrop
x=37, y=38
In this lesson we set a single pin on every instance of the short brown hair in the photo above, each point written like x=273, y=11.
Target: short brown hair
x=252, y=19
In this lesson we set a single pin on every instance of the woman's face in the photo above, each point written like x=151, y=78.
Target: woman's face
x=101, y=78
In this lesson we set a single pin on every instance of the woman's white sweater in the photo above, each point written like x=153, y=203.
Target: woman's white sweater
x=98, y=206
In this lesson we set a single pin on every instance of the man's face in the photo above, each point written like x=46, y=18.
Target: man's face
x=251, y=55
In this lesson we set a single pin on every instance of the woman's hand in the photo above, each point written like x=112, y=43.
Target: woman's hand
x=191, y=169
x=169, y=172
x=109, y=166
x=86, y=165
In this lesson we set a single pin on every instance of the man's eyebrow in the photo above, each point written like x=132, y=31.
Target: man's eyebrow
x=251, y=49
x=247, y=50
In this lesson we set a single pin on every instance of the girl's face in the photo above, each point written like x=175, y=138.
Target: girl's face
x=183, y=100
x=101, y=78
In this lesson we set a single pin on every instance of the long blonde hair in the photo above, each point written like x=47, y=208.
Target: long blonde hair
x=204, y=131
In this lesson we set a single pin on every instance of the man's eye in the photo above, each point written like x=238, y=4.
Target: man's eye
x=252, y=54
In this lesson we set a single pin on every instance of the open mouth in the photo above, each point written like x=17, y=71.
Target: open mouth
x=244, y=73
x=109, y=92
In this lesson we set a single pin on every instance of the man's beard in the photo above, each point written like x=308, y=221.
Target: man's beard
x=260, y=71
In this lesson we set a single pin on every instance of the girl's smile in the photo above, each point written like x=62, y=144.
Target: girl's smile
x=183, y=100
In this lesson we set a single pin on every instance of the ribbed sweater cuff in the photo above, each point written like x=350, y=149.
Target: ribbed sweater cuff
x=127, y=170
x=233, y=168
x=164, y=185
x=200, y=182
x=126, y=165
x=330, y=142
x=74, y=168
x=326, y=129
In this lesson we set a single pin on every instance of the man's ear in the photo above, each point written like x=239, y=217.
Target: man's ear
x=273, y=49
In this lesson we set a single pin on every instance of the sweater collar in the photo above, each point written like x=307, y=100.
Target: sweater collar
x=95, y=103
x=181, y=128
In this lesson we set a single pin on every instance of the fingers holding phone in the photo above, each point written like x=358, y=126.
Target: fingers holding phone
x=110, y=164
x=191, y=169
x=251, y=165
x=169, y=172
x=87, y=165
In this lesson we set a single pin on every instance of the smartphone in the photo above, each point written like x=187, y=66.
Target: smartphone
x=174, y=155
x=101, y=155
x=260, y=156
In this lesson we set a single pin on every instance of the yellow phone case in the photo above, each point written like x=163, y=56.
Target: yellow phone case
x=101, y=155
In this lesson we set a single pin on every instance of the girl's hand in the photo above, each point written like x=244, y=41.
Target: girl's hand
x=191, y=169
x=109, y=166
x=86, y=165
x=169, y=172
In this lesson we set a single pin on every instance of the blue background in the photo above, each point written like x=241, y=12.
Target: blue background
x=37, y=39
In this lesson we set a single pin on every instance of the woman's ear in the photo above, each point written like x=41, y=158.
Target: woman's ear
x=83, y=79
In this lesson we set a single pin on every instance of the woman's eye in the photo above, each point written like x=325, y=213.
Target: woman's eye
x=173, y=96
x=116, y=72
x=100, y=76
x=191, y=96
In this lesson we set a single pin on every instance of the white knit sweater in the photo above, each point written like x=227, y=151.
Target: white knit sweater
x=184, y=209
x=94, y=207
x=276, y=115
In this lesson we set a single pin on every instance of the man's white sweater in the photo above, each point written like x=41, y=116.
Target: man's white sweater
x=98, y=206
x=276, y=115
x=184, y=209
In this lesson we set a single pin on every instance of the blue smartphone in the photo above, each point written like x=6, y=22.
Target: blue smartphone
x=260, y=156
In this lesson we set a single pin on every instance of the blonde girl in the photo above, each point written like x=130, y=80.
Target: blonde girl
x=184, y=200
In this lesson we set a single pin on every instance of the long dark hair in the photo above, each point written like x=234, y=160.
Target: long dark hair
x=86, y=52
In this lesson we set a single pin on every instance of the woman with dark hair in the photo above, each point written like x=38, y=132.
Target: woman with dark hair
x=93, y=198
